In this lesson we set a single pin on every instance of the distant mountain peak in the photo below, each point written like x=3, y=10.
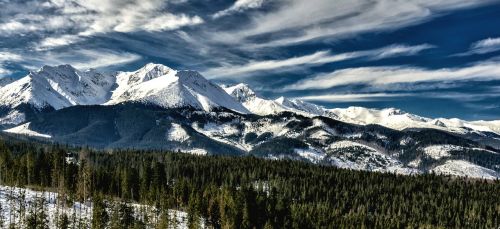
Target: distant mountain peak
x=160, y=85
x=241, y=92
x=148, y=72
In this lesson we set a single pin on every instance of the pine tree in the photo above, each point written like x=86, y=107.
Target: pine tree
x=2, y=217
x=164, y=220
x=63, y=221
x=99, y=215
x=37, y=218
x=122, y=216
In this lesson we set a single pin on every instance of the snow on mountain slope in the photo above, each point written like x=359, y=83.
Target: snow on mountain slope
x=437, y=152
x=57, y=87
x=465, y=168
x=399, y=120
x=13, y=117
x=249, y=99
x=305, y=108
x=353, y=155
x=25, y=130
x=389, y=117
x=493, y=126
x=177, y=133
x=260, y=106
x=162, y=86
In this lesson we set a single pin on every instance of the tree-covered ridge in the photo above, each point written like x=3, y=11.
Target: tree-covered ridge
x=247, y=192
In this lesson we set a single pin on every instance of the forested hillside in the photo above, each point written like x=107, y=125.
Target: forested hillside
x=242, y=192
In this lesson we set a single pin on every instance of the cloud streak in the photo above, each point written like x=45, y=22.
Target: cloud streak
x=239, y=6
x=483, y=46
x=6, y=57
x=376, y=76
x=81, y=59
x=314, y=59
x=64, y=22
x=352, y=97
x=313, y=19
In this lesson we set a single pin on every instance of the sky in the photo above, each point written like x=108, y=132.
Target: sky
x=434, y=58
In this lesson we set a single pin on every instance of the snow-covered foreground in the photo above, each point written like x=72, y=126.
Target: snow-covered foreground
x=13, y=200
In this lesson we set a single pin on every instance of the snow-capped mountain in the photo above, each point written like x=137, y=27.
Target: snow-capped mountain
x=64, y=86
x=389, y=117
x=159, y=107
x=57, y=87
x=261, y=106
x=399, y=120
x=255, y=104
x=165, y=87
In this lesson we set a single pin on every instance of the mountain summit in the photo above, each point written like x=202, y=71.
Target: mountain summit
x=162, y=108
x=57, y=87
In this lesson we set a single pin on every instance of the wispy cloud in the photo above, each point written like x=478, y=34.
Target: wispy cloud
x=483, y=46
x=66, y=21
x=317, y=58
x=374, y=76
x=80, y=58
x=352, y=97
x=386, y=96
x=239, y=6
x=6, y=57
x=54, y=42
x=313, y=19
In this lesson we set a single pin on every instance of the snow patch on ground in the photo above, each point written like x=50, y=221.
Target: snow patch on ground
x=320, y=135
x=197, y=151
x=415, y=163
x=12, y=118
x=311, y=154
x=11, y=199
x=24, y=130
x=465, y=168
x=437, y=152
x=177, y=133
x=353, y=155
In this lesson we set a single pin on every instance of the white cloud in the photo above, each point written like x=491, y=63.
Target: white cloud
x=384, y=96
x=82, y=18
x=100, y=59
x=397, y=50
x=7, y=57
x=352, y=97
x=53, y=42
x=317, y=58
x=483, y=46
x=313, y=19
x=392, y=75
x=239, y=6
x=129, y=16
x=171, y=22
x=16, y=27
x=81, y=59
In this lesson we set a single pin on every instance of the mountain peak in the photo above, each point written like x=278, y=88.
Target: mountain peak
x=148, y=72
x=241, y=92
x=49, y=70
x=281, y=100
x=62, y=67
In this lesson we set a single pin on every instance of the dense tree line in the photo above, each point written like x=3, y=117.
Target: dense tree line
x=243, y=192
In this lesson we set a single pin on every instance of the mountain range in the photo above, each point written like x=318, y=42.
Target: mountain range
x=157, y=107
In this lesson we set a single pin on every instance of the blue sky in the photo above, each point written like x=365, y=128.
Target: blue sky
x=436, y=58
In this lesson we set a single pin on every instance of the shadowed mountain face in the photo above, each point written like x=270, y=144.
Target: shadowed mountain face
x=319, y=140
x=157, y=107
